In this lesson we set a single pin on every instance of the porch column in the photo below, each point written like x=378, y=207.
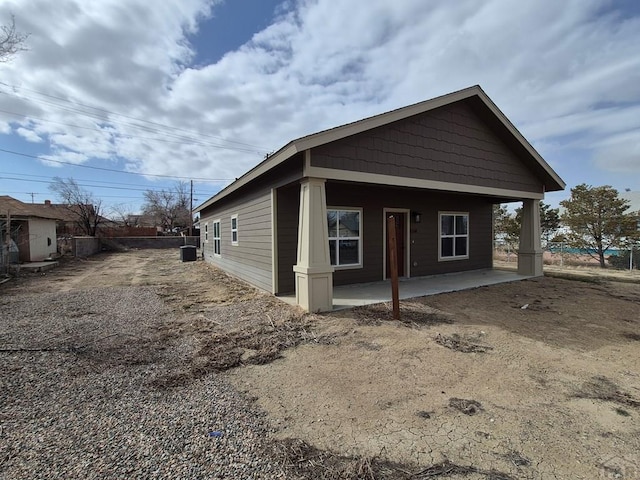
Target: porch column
x=313, y=270
x=530, y=252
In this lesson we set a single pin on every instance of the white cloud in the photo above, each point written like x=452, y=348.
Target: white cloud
x=557, y=69
x=29, y=135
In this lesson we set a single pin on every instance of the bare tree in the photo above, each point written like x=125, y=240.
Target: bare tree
x=170, y=208
x=123, y=213
x=11, y=41
x=83, y=207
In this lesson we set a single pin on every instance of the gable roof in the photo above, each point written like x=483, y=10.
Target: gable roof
x=477, y=98
x=20, y=209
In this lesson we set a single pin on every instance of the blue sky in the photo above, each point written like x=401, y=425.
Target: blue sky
x=134, y=95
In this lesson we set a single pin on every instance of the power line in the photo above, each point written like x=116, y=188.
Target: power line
x=128, y=135
x=83, y=185
x=49, y=194
x=86, y=180
x=114, y=170
x=110, y=112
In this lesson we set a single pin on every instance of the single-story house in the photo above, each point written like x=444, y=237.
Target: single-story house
x=33, y=228
x=634, y=204
x=314, y=214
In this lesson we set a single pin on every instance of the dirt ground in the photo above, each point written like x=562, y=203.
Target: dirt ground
x=527, y=380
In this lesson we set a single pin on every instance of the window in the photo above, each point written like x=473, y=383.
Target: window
x=234, y=230
x=454, y=236
x=344, y=237
x=216, y=237
x=206, y=232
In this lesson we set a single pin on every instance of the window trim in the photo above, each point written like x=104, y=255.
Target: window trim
x=350, y=266
x=206, y=232
x=454, y=236
x=216, y=240
x=234, y=230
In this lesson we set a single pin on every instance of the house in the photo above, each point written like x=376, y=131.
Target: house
x=33, y=228
x=313, y=215
x=634, y=204
x=75, y=219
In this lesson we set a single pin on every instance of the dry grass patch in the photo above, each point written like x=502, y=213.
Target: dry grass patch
x=414, y=313
x=462, y=343
x=601, y=388
x=254, y=332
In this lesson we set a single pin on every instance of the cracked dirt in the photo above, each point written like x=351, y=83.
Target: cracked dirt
x=552, y=397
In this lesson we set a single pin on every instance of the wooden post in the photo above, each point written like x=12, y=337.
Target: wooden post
x=393, y=265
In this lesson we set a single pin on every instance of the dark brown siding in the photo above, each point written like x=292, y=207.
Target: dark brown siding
x=448, y=144
x=423, y=237
x=288, y=205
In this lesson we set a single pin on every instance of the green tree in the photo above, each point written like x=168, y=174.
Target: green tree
x=597, y=219
x=549, y=221
x=507, y=226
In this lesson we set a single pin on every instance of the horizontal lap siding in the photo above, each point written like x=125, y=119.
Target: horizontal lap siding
x=448, y=144
x=251, y=259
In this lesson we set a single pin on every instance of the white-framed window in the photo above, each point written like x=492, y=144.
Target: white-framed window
x=234, y=230
x=206, y=232
x=216, y=237
x=454, y=236
x=345, y=236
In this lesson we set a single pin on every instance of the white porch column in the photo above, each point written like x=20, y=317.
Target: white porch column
x=314, y=273
x=530, y=252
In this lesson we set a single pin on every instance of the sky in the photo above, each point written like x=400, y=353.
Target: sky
x=130, y=95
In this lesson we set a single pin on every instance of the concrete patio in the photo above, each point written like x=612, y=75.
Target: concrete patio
x=349, y=296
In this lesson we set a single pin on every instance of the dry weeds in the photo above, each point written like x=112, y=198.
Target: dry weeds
x=224, y=337
x=415, y=314
x=468, y=407
x=462, y=344
x=601, y=388
x=301, y=460
x=448, y=469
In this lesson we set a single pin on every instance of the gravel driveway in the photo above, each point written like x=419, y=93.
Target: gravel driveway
x=79, y=395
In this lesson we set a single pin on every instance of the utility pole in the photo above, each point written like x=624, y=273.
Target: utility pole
x=191, y=212
x=5, y=257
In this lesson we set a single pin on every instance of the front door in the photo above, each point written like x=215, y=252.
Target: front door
x=400, y=221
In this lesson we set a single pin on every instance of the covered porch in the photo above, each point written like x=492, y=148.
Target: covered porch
x=427, y=272
x=348, y=296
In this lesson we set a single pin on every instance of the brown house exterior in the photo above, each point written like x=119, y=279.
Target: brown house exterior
x=313, y=215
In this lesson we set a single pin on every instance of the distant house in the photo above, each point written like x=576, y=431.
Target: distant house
x=71, y=218
x=32, y=228
x=634, y=203
x=315, y=213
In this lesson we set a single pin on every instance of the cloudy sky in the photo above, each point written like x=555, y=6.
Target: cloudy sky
x=204, y=89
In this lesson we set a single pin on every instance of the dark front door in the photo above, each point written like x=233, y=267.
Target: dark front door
x=400, y=221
